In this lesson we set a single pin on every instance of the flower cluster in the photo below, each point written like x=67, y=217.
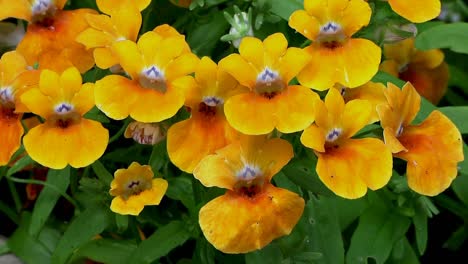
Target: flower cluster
x=238, y=108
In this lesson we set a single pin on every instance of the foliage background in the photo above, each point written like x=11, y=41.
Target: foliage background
x=70, y=221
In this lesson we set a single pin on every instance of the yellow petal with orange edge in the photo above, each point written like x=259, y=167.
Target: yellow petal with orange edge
x=352, y=64
x=129, y=57
x=239, y=68
x=83, y=100
x=16, y=9
x=295, y=109
x=38, y=103
x=220, y=169
x=115, y=96
x=352, y=167
x=305, y=24
x=10, y=140
x=238, y=224
x=189, y=141
x=356, y=115
x=12, y=64
x=105, y=58
x=391, y=140
x=371, y=92
x=314, y=137
x=434, y=148
x=252, y=50
x=79, y=144
x=239, y=109
x=275, y=47
x=411, y=105
x=416, y=11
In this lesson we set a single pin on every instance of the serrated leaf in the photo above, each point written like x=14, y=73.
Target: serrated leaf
x=81, y=230
x=48, y=197
x=452, y=36
x=160, y=243
x=378, y=230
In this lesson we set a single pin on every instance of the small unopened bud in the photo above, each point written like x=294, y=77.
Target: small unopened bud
x=241, y=26
x=396, y=33
x=146, y=133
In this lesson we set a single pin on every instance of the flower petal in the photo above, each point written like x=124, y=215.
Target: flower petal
x=129, y=57
x=10, y=139
x=314, y=137
x=305, y=24
x=237, y=224
x=416, y=11
x=20, y=9
x=244, y=72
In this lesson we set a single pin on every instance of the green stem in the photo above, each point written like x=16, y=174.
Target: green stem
x=120, y=132
x=30, y=181
x=9, y=212
x=14, y=194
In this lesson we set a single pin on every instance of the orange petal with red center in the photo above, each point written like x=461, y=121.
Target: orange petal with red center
x=295, y=109
x=20, y=9
x=238, y=110
x=10, y=139
x=115, y=96
x=238, y=224
x=434, y=148
x=416, y=11
x=352, y=64
x=189, y=141
x=78, y=144
x=352, y=167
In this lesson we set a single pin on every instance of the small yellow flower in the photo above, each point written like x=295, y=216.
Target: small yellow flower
x=346, y=165
x=266, y=68
x=15, y=79
x=432, y=149
x=252, y=212
x=65, y=137
x=425, y=70
x=134, y=188
x=337, y=58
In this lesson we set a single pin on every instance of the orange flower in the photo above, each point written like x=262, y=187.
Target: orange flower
x=426, y=70
x=345, y=165
x=416, y=11
x=371, y=92
x=252, y=212
x=266, y=69
x=123, y=21
x=65, y=137
x=337, y=58
x=206, y=130
x=51, y=33
x=134, y=188
x=432, y=149
x=156, y=90
x=15, y=78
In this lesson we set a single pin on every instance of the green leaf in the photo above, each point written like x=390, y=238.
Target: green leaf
x=452, y=36
x=158, y=156
x=121, y=222
x=19, y=165
x=96, y=115
x=82, y=229
x=378, y=230
x=181, y=189
x=302, y=173
x=204, y=252
x=270, y=254
x=408, y=257
x=284, y=8
x=47, y=198
x=384, y=78
x=160, y=243
x=205, y=35
x=349, y=210
x=458, y=115
x=460, y=184
x=420, y=227
x=106, y=251
x=102, y=173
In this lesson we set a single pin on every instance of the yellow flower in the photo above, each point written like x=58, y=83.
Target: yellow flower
x=50, y=36
x=432, y=149
x=416, y=11
x=426, y=70
x=337, y=58
x=123, y=21
x=134, y=188
x=157, y=65
x=266, y=69
x=206, y=130
x=345, y=165
x=371, y=92
x=65, y=137
x=252, y=212
x=15, y=78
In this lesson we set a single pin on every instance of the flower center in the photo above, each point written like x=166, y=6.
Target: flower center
x=269, y=83
x=250, y=181
x=333, y=135
x=400, y=130
x=6, y=96
x=153, y=78
x=64, y=115
x=43, y=11
x=135, y=187
x=331, y=35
